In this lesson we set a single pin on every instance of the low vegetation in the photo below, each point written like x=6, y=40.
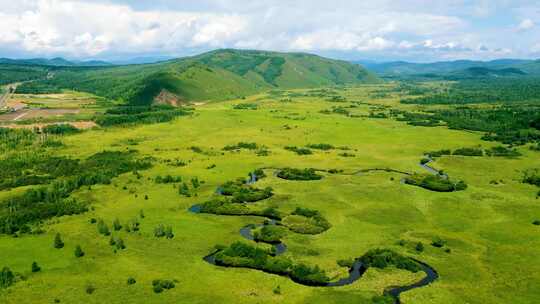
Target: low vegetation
x=299, y=174
x=435, y=183
x=242, y=255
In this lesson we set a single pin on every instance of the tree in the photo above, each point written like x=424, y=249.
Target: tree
x=35, y=267
x=169, y=233
x=79, y=253
x=419, y=247
x=159, y=231
x=58, y=243
x=120, y=244
x=7, y=278
x=184, y=190
x=116, y=225
x=103, y=228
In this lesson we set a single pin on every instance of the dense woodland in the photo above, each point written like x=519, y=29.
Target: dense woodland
x=63, y=176
x=488, y=90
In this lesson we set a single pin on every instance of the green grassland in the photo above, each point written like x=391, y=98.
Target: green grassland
x=494, y=255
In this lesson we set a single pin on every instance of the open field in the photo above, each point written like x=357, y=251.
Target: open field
x=70, y=106
x=493, y=256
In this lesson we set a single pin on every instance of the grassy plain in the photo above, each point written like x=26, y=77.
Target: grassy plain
x=494, y=254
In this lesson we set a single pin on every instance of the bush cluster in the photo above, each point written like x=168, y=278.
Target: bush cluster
x=382, y=258
x=435, y=183
x=241, y=193
x=298, y=174
x=243, y=255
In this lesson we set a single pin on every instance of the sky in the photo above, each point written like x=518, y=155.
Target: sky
x=383, y=30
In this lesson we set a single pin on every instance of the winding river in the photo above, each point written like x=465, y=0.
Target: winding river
x=356, y=271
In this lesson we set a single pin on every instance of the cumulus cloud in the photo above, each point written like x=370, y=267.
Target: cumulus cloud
x=526, y=24
x=103, y=28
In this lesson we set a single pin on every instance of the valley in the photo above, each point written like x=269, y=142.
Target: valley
x=339, y=188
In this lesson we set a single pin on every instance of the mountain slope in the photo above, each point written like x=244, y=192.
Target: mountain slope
x=443, y=68
x=216, y=75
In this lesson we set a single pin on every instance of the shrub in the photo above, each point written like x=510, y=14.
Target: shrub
x=419, y=247
x=424, y=161
x=35, y=267
x=298, y=174
x=384, y=299
x=241, y=145
x=242, y=193
x=103, y=228
x=90, y=289
x=79, y=253
x=161, y=285
x=309, y=275
x=321, y=146
x=438, y=242
x=299, y=151
x=60, y=129
x=116, y=225
x=58, y=243
x=7, y=278
x=120, y=245
x=245, y=106
x=469, y=152
x=536, y=222
x=277, y=290
x=169, y=233
x=131, y=281
x=269, y=234
x=435, y=183
x=195, y=183
x=159, y=231
x=382, y=258
x=439, y=153
x=346, y=263
x=167, y=179
x=503, y=152
x=184, y=190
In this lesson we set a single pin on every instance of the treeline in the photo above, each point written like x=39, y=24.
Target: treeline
x=37, y=87
x=509, y=124
x=37, y=204
x=16, y=140
x=507, y=90
x=129, y=115
x=13, y=73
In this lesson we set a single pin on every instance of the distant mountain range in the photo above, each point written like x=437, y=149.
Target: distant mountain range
x=58, y=62
x=455, y=69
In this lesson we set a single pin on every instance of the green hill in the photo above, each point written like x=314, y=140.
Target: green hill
x=216, y=75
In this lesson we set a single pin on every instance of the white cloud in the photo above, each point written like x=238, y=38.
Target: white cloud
x=526, y=24
x=102, y=28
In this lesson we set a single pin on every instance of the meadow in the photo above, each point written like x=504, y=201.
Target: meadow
x=489, y=246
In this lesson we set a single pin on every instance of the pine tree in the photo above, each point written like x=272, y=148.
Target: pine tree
x=169, y=233
x=35, y=267
x=79, y=252
x=120, y=244
x=419, y=247
x=116, y=225
x=58, y=244
x=103, y=228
